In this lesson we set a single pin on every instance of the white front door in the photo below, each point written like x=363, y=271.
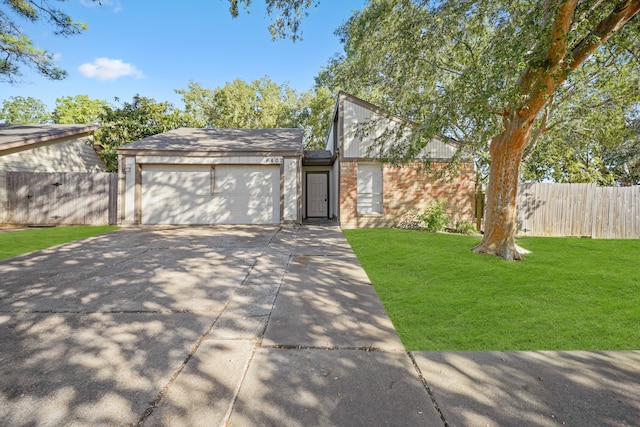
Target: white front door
x=317, y=194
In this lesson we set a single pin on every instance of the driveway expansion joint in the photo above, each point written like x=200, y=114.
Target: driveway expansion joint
x=328, y=348
x=425, y=384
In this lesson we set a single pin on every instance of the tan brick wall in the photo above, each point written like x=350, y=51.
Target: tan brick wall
x=348, y=194
x=405, y=188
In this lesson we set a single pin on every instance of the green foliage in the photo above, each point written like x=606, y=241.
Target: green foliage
x=410, y=220
x=466, y=227
x=435, y=218
x=260, y=104
x=571, y=294
x=130, y=122
x=78, y=109
x=289, y=14
x=17, y=49
x=14, y=243
x=454, y=67
x=21, y=110
x=316, y=116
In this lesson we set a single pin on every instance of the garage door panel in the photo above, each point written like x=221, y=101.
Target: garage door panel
x=183, y=210
x=245, y=180
x=181, y=194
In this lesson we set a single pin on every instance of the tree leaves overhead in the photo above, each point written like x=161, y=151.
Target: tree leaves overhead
x=16, y=49
x=456, y=68
x=288, y=15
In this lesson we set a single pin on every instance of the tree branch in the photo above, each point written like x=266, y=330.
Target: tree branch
x=623, y=12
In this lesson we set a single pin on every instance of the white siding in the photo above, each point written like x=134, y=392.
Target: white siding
x=358, y=145
x=291, y=174
x=130, y=188
x=437, y=149
x=211, y=160
x=330, y=139
x=71, y=155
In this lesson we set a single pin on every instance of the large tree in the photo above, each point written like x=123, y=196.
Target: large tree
x=258, y=104
x=78, y=109
x=583, y=125
x=261, y=103
x=131, y=121
x=489, y=74
x=288, y=15
x=16, y=48
x=21, y=110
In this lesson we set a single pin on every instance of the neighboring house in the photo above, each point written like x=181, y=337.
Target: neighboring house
x=263, y=176
x=347, y=183
x=45, y=148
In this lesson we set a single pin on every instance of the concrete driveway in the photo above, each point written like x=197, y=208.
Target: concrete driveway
x=259, y=326
x=181, y=326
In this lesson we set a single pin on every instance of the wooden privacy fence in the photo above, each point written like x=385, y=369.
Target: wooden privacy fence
x=580, y=210
x=44, y=198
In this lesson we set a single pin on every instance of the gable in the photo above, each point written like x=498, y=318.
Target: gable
x=363, y=123
x=48, y=148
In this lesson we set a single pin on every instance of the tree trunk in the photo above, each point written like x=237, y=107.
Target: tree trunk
x=506, y=150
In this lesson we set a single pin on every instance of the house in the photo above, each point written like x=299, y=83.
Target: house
x=263, y=176
x=212, y=176
x=45, y=148
x=347, y=182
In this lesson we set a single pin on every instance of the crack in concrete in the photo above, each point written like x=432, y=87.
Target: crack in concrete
x=425, y=384
x=107, y=311
x=227, y=416
x=328, y=348
x=155, y=402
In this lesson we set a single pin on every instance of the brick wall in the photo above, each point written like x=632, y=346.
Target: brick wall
x=406, y=188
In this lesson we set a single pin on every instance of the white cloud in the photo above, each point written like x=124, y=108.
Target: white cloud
x=109, y=69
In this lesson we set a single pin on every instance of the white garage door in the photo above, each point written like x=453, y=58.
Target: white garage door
x=200, y=194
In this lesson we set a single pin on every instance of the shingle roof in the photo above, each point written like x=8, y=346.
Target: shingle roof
x=317, y=157
x=227, y=140
x=16, y=136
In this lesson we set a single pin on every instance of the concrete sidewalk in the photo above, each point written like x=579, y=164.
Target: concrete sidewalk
x=259, y=326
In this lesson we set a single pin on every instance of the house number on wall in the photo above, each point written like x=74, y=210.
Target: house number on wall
x=273, y=160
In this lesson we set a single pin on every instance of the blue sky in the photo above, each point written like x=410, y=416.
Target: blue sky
x=150, y=48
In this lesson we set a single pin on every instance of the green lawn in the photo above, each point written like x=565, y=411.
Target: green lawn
x=13, y=243
x=569, y=294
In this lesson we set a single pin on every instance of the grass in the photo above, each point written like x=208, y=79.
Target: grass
x=569, y=294
x=13, y=243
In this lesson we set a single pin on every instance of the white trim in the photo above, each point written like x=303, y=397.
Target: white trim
x=233, y=160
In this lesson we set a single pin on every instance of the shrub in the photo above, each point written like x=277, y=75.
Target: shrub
x=435, y=218
x=410, y=220
x=466, y=227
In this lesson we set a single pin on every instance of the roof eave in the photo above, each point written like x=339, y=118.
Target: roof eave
x=207, y=153
x=67, y=133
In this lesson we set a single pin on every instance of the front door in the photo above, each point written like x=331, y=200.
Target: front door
x=317, y=194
